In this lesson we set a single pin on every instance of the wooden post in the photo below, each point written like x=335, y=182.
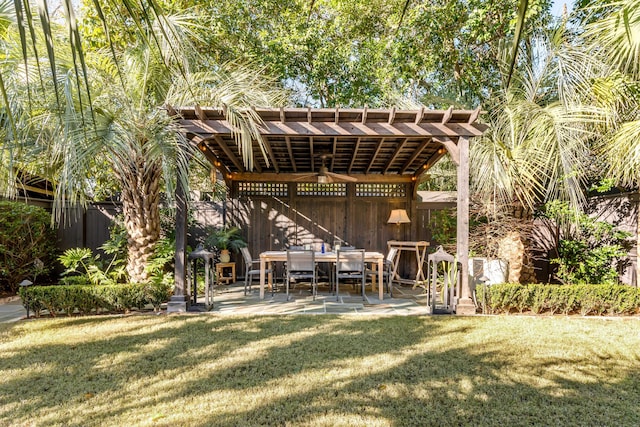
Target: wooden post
x=179, y=302
x=465, y=304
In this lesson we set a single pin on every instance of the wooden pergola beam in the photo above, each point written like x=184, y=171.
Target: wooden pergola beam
x=419, y=116
x=415, y=155
x=427, y=165
x=272, y=157
x=395, y=155
x=201, y=143
x=290, y=177
x=375, y=154
x=313, y=163
x=234, y=159
x=392, y=115
x=447, y=115
x=451, y=147
x=334, y=148
x=355, y=155
x=287, y=141
x=344, y=129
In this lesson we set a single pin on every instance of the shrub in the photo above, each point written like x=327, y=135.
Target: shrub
x=84, y=299
x=614, y=299
x=588, y=251
x=27, y=244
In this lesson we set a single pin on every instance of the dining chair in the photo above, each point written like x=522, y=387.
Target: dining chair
x=301, y=265
x=388, y=270
x=349, y=266
x=249, y=271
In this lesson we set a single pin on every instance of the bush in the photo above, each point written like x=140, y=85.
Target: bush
x=613, y=299
x=27, y=244
x=588, y=251
x=85, y=299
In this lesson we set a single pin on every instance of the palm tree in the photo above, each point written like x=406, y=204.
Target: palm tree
x=616, y=38
x=124, y=130
x=538, y=144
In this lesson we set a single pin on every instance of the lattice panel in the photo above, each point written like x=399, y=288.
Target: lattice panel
x=315, y=189
x=381, y=190
x=262, y=189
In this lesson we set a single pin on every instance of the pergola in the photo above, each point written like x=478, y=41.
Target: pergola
x=335, y=145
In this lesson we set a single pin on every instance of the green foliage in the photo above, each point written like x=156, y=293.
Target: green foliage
x=85, y=267
x=370, y=52
x=163, y=257
x=27, y=244
x=612, y=299
x=443, y=226
x=225, y=238
x=81, y=262
x=589, y=251
x=87, y=298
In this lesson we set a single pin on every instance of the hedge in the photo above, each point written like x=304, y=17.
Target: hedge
x=86, y=299
x=565, y=299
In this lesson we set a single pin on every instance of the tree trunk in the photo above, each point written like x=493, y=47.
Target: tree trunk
x=141, y=210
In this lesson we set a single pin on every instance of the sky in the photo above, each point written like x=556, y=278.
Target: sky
x=556, y=8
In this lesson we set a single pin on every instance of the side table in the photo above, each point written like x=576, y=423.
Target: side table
x=220, y=272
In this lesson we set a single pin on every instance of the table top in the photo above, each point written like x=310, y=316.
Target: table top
x=319, y=256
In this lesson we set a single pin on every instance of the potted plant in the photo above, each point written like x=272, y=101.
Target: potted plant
x=226, y=239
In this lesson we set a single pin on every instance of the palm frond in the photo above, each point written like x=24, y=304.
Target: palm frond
x=235, y=89
x=616, y=35
x=621, y=149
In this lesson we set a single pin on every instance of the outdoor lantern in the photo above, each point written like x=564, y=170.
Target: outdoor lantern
x=25, y=284
x=398, y=216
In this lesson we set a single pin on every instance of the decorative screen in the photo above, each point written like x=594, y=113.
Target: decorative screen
x=262, y=189
x=315, y=189
x=381, y=190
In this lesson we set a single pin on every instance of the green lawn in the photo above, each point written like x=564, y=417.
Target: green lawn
x=201, y=370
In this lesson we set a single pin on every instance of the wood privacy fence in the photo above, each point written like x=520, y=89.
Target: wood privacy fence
x=273, y=220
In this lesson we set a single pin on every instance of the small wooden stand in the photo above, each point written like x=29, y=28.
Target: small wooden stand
x=220, y=272
x=420, y=249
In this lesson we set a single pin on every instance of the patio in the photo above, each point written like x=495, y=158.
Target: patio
x=330, y=176
x=230, y=299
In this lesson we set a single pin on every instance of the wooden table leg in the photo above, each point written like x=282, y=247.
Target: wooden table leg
x=380, y=284
x=262, y=276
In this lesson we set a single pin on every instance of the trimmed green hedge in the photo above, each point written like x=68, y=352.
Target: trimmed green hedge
x=86, y=299
x=554, y=299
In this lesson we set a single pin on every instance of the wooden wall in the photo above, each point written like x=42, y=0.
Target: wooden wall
x=276, y=222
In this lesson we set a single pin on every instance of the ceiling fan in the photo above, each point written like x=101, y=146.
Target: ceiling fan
x=323, y=175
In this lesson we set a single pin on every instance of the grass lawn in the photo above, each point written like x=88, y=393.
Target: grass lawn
x=201, y=370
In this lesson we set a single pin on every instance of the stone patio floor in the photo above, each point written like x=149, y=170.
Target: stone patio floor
x=230, y=299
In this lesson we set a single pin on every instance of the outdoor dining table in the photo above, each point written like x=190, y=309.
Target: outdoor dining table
x=266, y=258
